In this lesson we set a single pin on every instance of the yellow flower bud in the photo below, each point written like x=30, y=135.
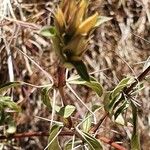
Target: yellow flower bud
x=59, y=17
x=81, y=12
x=87, y=25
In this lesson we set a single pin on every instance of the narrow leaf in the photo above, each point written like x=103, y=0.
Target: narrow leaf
x=6, y=102
x=93, y=84
x=8, y=85
x=68, y=145
x=53, y=139
x=123, y=83
x=121, y=109
x=87, y=123
x=92, y=142
x=45, y=98
x=135, y=142
x=81, y=69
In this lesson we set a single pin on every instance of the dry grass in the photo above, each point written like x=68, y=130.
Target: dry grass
x=118, y=48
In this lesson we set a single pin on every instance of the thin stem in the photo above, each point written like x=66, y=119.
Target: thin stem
x=61, y=83
x=139, y=78
x=110, y=142
x=62, y=133
x=96, y=126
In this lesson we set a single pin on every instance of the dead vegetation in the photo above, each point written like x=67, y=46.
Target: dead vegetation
x=118, y=48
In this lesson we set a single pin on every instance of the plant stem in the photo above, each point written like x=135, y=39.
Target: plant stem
x=110, y=142
x=139, y=78
x=62, y=133
x=61, y=83
x=96, y=126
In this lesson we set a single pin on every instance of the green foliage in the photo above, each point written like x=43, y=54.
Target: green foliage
x=48, y=31
x=92, y=142
x=93, y=84
x=135, y=142
x=115, y=102
x=122, y=84
x=53, y=138
x=81, y=69
x=11, y=127
x=8, y=85
x=65, y=111
x=6, y=118
x=87, y=123
x=6, y=102
x=68, y=145
x=45, y=98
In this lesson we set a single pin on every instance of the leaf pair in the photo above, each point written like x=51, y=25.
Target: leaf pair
x=115, y=102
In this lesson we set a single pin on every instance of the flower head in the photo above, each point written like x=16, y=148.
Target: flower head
x=72, y=28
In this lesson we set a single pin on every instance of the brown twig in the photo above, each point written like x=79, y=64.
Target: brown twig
x=139, y=78
x=96, y=126
x=61, y=83
x=110, y=142
x=62, y=133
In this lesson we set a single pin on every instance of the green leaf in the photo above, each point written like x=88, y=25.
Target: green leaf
x=48, y=31
x=6, y=102
x=8, y=85
x=135, y=142
x=87, y=122
x=81, y=69
x=11, y=128
x=68, y=145
x=101, y=20
x=121, y=109
x=65, y=111
x=123, y=83
x=107, y=100
x=92, y=142
x=45, y=98
x=120, y=120
x=93, y=84
x=53, y=139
